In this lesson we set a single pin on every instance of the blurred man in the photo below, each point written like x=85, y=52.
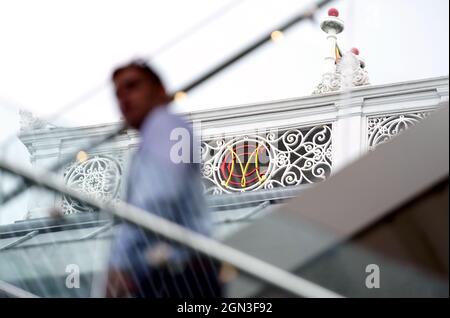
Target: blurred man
x=143, y=264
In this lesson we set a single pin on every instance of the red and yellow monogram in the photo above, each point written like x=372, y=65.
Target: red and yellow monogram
x=241, y=166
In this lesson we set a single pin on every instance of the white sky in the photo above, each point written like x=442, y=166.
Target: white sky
x=55, y=51
x=52, y=52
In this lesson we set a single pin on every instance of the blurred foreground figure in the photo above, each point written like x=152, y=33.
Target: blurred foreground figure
x=143, y=264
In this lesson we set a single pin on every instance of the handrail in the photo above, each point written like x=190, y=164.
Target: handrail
x=14, y=291
x=248, y=264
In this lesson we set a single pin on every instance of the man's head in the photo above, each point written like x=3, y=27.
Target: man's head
x=138, y=90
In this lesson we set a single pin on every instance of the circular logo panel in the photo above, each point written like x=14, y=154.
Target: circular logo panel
x=244, y=165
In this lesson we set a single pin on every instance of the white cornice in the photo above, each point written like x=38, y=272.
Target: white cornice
x=438, y=84
x=327, y=105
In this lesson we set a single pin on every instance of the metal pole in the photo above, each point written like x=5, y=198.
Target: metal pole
x=14, y=291
x=253, y=46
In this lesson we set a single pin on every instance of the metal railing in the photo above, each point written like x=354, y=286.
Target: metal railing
x=14, y=292
x=247, y=264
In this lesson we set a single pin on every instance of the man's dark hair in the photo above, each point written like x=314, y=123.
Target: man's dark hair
x=144, y=67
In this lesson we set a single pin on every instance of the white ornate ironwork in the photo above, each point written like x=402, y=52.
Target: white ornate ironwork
x=98, y=176
x=264, y=161
x=30, y=122
x=349, y=73
x=382, y=128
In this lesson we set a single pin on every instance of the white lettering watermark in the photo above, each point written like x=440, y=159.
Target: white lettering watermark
x=373, y=279
x=73, y=277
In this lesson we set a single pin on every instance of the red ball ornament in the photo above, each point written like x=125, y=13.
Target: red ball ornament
x=355, y=51
x=333, y=12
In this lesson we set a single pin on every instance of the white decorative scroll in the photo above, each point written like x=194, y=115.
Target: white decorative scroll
x=98, y=177
x=264, y=161
x=382, y=128
x=30, y=122
x=349, y=73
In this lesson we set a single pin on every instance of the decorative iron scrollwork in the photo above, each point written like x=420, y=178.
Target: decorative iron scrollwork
x=98, y=177
x=264, y=161
x=382, y=128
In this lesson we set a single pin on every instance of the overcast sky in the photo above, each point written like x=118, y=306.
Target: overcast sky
x=54, y=52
